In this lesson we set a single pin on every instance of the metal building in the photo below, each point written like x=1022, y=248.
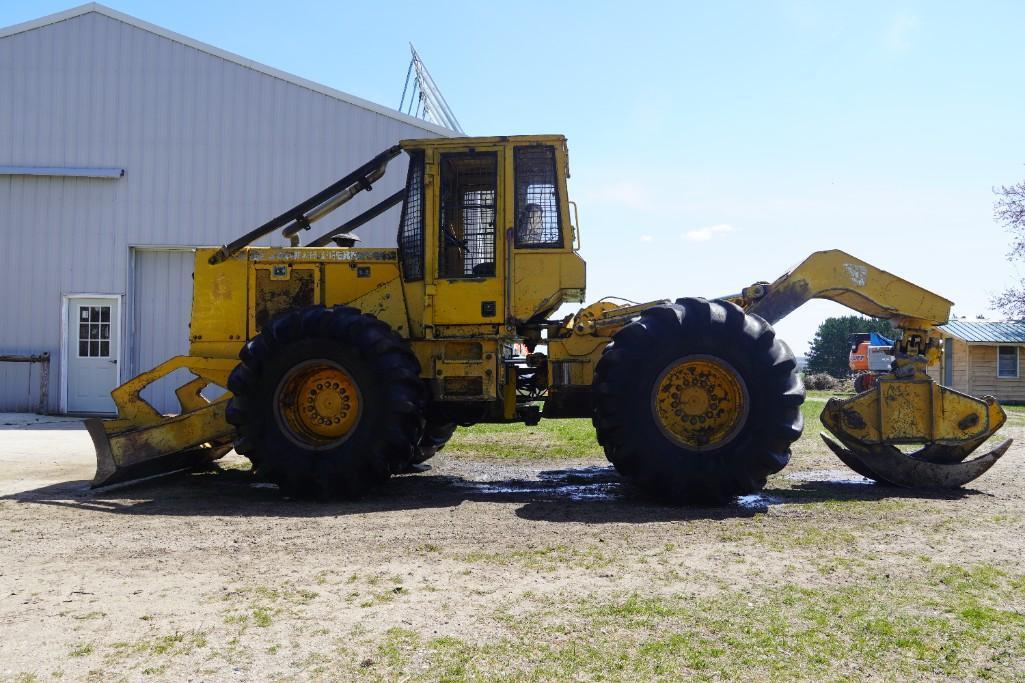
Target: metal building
x=124, y=145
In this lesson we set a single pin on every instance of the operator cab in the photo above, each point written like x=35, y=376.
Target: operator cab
x=485, y=231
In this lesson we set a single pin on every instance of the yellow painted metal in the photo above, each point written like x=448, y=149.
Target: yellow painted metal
x=384, y=301
x=463, y=369
x=443, y=318
x=460, y=144
x=542, y=282
x=700, y=402
x=461, y=301
x=837, y=276
x=907, y=411
x=132, y=410
x=220, y=306
x=319, y=402
x=346, y=282
x=140, y=436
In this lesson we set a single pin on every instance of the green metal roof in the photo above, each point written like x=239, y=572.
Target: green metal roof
x=1009, y=332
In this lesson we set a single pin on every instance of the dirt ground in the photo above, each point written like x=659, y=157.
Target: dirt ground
x=520, y=568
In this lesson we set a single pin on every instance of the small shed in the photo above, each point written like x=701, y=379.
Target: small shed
x=983, y=358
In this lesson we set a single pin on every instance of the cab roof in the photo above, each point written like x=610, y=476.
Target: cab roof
x=463, y=142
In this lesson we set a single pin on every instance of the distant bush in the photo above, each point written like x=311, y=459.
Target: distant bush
x=821, y=381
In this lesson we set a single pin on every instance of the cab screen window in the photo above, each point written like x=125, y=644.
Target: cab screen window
x=537, y=199
x=467, y=222
x=411, y=226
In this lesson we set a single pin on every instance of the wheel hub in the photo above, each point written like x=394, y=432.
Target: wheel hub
x=700, y=402
x=319, y=403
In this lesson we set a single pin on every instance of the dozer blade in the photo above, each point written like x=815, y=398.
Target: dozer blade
x=887, y=464
x=141, y=442
x=183, y=441
x=947, y=424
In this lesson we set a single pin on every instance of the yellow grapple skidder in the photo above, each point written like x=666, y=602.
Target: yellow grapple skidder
x=345, y=365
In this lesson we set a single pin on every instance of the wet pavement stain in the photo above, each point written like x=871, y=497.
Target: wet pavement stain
x=580, y=483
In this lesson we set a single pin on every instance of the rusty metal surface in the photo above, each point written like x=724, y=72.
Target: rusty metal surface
x=887, y=464
x=947, y=424
x=274, y=295
x=182, y=441
x=913, y=410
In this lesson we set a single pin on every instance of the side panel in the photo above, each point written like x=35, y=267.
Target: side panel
x=461, y=369
x=219, y=306
x=278, y=287
x=542, y=281
x=386, y=303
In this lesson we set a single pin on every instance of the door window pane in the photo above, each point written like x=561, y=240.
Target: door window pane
x=467, y=222
x=94, y=326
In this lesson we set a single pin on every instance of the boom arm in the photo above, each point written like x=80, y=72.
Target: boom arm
x=837, y=276
x=905, y=406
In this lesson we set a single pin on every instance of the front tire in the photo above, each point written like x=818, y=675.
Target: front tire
x=327, y=402
x=697, y=401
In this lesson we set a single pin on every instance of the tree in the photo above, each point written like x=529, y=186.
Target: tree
x=829, y=350
x=1009, y=211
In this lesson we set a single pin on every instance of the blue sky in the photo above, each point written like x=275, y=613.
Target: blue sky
x=712, y=144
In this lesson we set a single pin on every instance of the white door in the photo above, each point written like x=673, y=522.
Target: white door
x=92, y=353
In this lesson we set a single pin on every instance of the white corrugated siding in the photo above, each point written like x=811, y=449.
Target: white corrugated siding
x=162, y=297
x=210, y=150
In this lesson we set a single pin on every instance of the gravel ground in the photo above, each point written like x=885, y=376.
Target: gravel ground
x=503, y=567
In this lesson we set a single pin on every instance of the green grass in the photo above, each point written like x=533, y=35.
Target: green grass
x=561, y=439
x=81, y=650
x=961, y=626
x=170, y=645
x=545, y=558
x=549, y=440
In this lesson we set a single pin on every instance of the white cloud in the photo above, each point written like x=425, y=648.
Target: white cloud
x=899, y=32
x=706, y=233
x=646, y=238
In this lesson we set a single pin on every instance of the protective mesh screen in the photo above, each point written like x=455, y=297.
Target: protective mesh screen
x=537, y=199
x=467, y=221
x=411, y=226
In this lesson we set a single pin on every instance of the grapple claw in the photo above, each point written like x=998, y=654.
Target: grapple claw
x=947, y=425
x=887, y=464
x=848, y=458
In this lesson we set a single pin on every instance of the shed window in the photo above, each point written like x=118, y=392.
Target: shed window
x=1007, y=361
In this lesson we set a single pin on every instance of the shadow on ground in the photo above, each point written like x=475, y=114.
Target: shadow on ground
x=592, y=494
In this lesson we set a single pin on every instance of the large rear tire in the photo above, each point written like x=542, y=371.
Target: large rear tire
x=328, y=402
x=697, y=402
